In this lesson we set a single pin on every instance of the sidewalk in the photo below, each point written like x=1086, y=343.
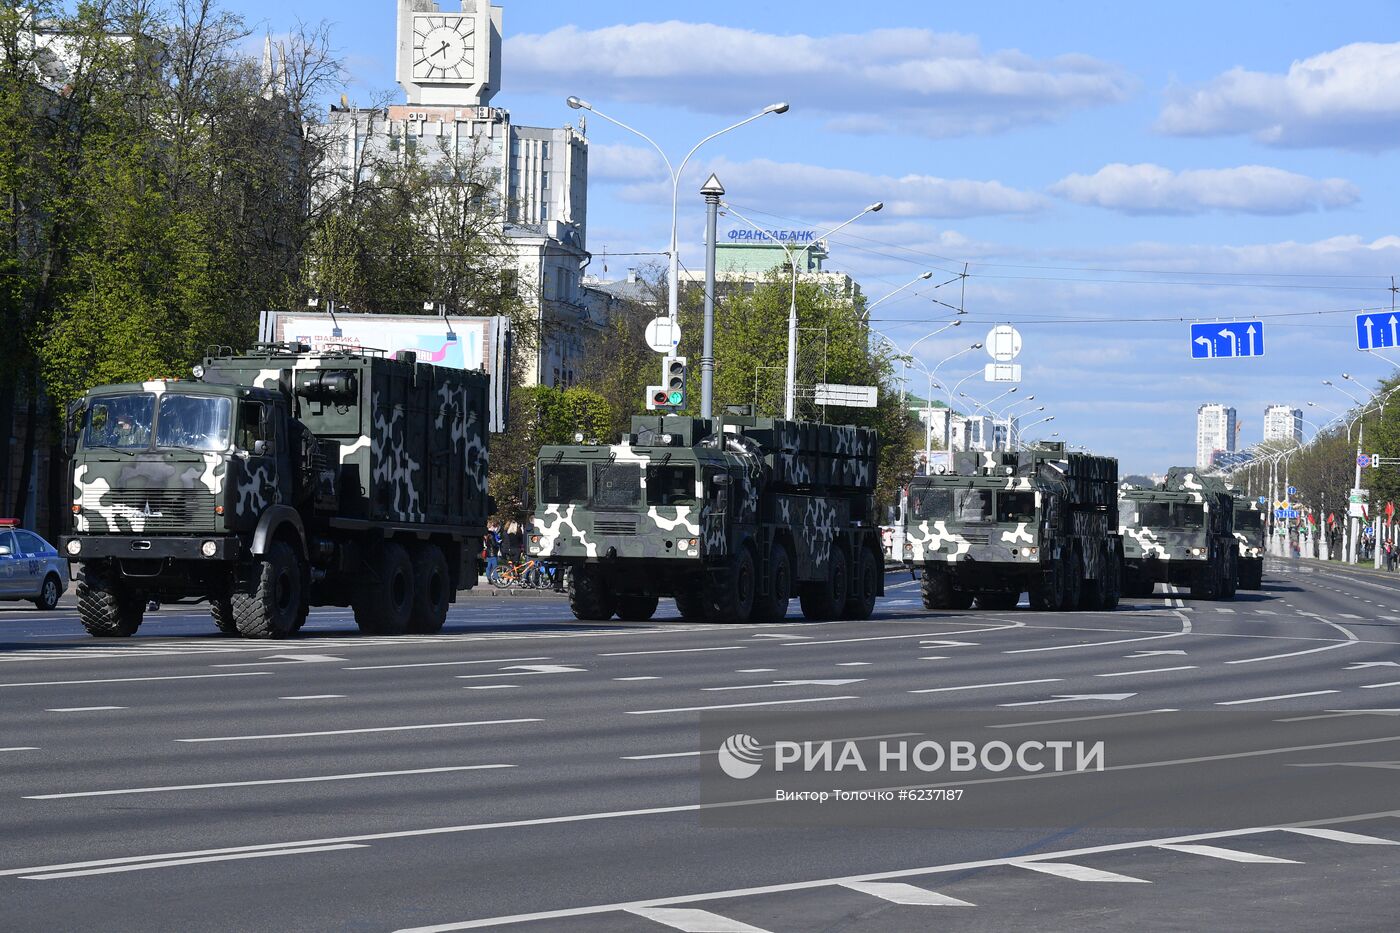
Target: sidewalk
x=1343, y=567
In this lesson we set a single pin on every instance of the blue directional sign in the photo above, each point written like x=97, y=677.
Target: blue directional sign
x=1363, y=460
x=1285, y=513
x=1293, y=490
x=1377, y=330
x=1263, y=500
x=1233, y=339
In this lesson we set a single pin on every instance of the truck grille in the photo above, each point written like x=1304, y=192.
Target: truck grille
x=975, y=537
x=615, y=527
x=172, y=510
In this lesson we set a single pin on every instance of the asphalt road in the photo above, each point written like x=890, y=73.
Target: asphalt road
x=523, y=771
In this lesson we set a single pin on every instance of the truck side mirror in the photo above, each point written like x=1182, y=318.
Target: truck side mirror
x=77, y=418
x=5, y=550
x=260, y=448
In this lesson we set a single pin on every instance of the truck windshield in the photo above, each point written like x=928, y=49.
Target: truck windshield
x=120, y=421
x=199, y=422
x=670, y=485
x=954, y=505
x=563, y=483
x=1016, y=507
x=617, y=485
x=1249, y=521
x=1170, y=514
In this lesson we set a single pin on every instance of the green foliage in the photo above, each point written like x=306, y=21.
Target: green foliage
x=541, y=415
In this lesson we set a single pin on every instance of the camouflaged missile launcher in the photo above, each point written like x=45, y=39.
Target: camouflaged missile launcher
x=1180, y=533
x=729, y=515
x=1249, y=535
x=183, y=488
x=1041, y=521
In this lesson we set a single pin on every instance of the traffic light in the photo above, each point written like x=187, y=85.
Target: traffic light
x=656, y=397
x=673, y=379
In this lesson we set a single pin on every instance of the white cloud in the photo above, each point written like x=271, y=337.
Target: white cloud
x=795, y=189
x=619, y=162
x=897, y=80
x=1252, y=189
x=1345, y=98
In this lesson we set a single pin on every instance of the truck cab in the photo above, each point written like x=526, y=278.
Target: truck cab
x=1178, y=535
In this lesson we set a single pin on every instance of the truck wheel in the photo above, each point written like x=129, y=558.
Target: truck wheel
x=266, y=606
x=937, y=590
x=826, y=599
x=692, y=603
x=1251, y=574
x=1205, y=583
x=1049, y=591
x=221, y=610
x=589, y=599
x=106, y=609
x=384, y=600
x=430, y=591
x=636, y=608
x=1074, y=581
x=1110, y=586
x=734, y=601
x=1229, y=580
x=774, y=606
x=860, y=601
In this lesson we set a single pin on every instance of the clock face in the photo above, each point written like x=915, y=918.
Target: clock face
x=443, y=48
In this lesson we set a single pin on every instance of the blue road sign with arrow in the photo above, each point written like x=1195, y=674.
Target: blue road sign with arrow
x=1285, y=513
x=1263, y=500
x=1293, y=490
x=1377, y=330
x=1234, y=339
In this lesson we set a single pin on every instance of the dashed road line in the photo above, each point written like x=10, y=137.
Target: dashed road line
x=305, y=735
x=1284, y=696
x=1229, y=855
x=317, y=779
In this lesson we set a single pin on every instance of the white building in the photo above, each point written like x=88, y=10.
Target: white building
x=746, y=257
x=1215, y=433
x=1283, y=424
x=449, y=65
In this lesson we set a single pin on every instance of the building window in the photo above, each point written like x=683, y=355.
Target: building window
x=544, y=152
x=544, y=181
x=510, y=282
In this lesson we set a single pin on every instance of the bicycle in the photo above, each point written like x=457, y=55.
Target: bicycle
x=525, y=574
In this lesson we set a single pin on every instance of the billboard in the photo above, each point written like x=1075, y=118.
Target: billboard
x=459, y=342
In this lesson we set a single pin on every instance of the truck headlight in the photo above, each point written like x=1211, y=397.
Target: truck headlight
x=74, y=548
x=209, y=548
x=1197, y=551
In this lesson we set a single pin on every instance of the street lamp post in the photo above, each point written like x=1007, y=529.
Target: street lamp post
x=948, y=422
x=790, y=382
x=1034, y=423
x=909, y=353
x=865, y=313
x=673, y=295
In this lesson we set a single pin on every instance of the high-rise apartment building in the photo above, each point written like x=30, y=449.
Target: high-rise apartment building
x=1215, y=433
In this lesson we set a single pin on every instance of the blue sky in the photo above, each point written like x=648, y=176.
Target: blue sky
x=1095, y=163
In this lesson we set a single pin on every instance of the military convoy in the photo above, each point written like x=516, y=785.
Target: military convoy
x=1043, y=521
x=731, y=516
x=1182, y=533
x=277, y=480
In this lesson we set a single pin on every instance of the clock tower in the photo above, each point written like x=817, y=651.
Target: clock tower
x=449, y=57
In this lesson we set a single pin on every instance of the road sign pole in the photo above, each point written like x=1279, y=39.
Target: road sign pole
x=712, y=191
x=1353, y=522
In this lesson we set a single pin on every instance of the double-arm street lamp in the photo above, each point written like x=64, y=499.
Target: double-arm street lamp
x=790, y=381
x=673, y=294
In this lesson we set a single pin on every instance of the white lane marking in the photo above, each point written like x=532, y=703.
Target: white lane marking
x=755, y=670
x=1351, y=640
x=493, y=687
x=1337, y=835
x=1051, y=722
x=1393, y=683
x=1335, y=714
x=853, y=664
x=696, y=754
x=132, y=680
x=905, y=894
x=524, y=670
x=595, y=909
x=142, y=866
x=1073, y=698
x=1009, y=683
x=627, y=654
x=1229, y=855
x=1093, y=644
x=768, y=635
x=693, y=920
x=934, y=657
x=316, y=696
x=1265, y=612
x=318, y=779
x=1283, y=696
x=1346, y=615
x=1155, y=670
x=696, y=709
x=1149, y=653
x=81, y=709
x=20, y=748
x=286, y=659
x=846, y=641
x=647, y=677
x=304, y=735
x=787, y=683
x=386, y=667
x=1078, y=872
x=1225, y=609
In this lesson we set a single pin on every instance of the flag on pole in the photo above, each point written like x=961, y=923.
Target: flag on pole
x=1332, y=518
x=1389, y=511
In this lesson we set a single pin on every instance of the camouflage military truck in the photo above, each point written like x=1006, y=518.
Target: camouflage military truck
x=278, y=480
x=1249, y=534
x=1181, y=532
x=1042, y=521
x=731, y=516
